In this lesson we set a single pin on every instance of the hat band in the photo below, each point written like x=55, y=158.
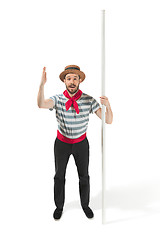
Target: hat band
x=72, y=68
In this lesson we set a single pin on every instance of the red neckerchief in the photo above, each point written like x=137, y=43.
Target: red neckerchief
x=72, y=100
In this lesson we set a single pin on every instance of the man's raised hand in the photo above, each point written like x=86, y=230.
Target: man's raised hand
x=43, y=78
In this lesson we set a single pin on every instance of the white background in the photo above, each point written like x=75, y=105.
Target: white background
x=54, y=34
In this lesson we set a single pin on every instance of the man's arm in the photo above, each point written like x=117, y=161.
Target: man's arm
x=41, y=101
x=108, y=113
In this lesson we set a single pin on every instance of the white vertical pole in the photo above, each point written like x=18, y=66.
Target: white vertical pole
x=103, y=112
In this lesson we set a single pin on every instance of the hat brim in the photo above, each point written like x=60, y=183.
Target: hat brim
x=62, y=75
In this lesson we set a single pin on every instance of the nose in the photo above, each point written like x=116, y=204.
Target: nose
x=72, y=82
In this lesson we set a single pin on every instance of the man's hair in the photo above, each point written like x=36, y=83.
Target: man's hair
x=68, y=73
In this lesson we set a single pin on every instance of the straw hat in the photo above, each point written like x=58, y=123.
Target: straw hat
x=72, y=69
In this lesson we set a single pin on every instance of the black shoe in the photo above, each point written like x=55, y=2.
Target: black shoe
x=57, y=213
x=88, y=212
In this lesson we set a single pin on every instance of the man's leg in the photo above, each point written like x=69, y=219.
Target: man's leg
x=62, y=152
x=81, y=155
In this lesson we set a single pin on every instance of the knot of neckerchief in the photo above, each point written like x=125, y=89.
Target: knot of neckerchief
x=72, y=100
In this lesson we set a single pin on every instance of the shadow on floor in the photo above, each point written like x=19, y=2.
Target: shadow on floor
x=143, y=198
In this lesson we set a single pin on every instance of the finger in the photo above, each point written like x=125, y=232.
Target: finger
x=104, y=97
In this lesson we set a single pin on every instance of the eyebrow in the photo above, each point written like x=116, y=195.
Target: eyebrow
x=73, y=76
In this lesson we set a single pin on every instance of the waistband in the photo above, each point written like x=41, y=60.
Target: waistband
x=70, y=140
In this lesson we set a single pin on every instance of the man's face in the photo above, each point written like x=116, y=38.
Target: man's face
x=72, y=82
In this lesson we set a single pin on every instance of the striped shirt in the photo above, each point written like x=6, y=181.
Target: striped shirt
x=71, y=124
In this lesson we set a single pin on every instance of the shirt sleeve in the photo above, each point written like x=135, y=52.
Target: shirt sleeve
x=54, y=98
x=94, y=105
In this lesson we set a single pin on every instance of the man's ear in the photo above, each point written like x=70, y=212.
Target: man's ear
x=80, y=80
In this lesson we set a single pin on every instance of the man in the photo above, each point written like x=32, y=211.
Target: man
x=72, y=112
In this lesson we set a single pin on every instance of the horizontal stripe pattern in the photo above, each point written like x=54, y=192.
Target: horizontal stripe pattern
x=71, y=124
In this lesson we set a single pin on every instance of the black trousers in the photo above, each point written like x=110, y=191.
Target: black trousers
x=80, y=152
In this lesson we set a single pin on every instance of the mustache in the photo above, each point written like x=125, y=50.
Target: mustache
x=72, y=86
